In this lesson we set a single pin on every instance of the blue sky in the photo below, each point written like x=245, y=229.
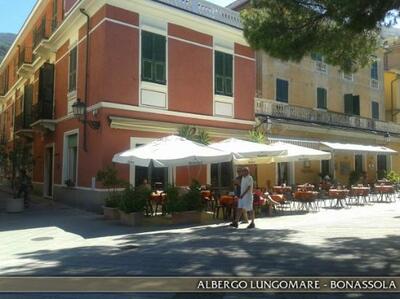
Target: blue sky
x=14, y=12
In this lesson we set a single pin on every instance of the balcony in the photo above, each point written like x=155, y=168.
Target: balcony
x=42, y=111
x=287, y=112
x=40, y=37
x=22, y=125
x=207, y=10
x=25, y=60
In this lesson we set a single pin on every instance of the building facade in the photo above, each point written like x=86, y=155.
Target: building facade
x=311, y=104
x=150, y=68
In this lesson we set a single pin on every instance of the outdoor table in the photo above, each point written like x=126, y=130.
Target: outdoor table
x=339, y=195
x=385, y=191
x=306, y=198
x=360, y=193
x=281, y=189
x=305, y=187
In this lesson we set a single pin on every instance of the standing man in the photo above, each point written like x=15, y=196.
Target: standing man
x=245, y=203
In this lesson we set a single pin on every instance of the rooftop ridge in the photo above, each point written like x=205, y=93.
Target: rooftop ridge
x=208, y=10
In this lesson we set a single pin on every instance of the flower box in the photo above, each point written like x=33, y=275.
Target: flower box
x=188, y=217
x=111, y=213
x=131, y=219
x=15, y=205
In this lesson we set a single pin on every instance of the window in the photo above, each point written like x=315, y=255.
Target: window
x=222, y=175
x=282, y=90
x=156, y=176
x=351, y=104
x=322, y=102
x=381, y=166
x=325, y=168
x=153, y=58
x=316, y=57
x=374, y=70
x=358, y=163
x=223, y=73
x=375, y=110
x=71, y=158
x=320, y=64
x=54, y=17
x=72, y=69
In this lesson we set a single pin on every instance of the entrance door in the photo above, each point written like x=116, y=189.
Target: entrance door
x=48, y=175
x=381, y=166
x=283, y=173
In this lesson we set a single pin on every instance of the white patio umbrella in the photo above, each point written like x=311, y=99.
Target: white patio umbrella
x=172, y=151
x=299, y=153
x=247, y=152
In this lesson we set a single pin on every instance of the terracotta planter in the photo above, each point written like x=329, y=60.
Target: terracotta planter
x=111, y=213
x=131, y=219
x=188, y=217
x=15, y=205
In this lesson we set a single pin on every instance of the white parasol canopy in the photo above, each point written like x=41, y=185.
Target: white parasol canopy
x=243, y=150
x=300, y=153
x=172, y=151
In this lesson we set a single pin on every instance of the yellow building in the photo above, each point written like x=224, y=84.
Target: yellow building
x=314, y=104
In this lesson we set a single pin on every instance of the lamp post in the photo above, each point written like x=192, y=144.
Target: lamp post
x=79, y=110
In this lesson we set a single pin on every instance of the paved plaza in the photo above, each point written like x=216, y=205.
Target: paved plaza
x=53, y=239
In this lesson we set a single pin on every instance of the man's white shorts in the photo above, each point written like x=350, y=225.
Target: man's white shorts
x=246, y=203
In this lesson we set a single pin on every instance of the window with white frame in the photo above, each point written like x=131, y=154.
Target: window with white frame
x=71, y=159
x=73, y=61
x=320, y=64
x=374, y=74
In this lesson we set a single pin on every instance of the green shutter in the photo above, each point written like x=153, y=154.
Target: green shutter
x=348, y=103
x=282, y=90
x=147, y=45
x=375, y=110
x=228, y=72
x=356, y=105
x=219, y=73
x=321, y=98
x=73, y=140
x=153, y=57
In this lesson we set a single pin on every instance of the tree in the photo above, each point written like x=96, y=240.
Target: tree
x=345, y=32
x=194, y=134
x=257, y=136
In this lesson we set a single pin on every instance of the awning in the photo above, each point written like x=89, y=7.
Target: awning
x=300, y=153
x=357, y=148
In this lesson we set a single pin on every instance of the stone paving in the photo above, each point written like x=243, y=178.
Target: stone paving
x=52, y=239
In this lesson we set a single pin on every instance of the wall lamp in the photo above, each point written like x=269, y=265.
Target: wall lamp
x=80, y=112
x=386, y=137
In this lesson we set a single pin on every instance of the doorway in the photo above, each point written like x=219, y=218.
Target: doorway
x=48, y=172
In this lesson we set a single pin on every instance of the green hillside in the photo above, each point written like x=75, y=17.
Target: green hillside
x=6, y=39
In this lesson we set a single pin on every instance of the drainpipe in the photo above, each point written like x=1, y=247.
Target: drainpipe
x=83, y=11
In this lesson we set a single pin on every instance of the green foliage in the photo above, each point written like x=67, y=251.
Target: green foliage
x=134, y=200
x=108, y=176
x=354, y=177
x=189, y=201
x=346, y=33
x=194, y=134
x=393, y=177
x=257, y=136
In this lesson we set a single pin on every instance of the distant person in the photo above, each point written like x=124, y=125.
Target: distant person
x=245, y=203
x=145, y=184
x=24, y=186
x=236, y=183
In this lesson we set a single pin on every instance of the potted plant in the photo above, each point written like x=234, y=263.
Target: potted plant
x=185, y=208
x=15, y=205
x=109, y=179
x=132, y=205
